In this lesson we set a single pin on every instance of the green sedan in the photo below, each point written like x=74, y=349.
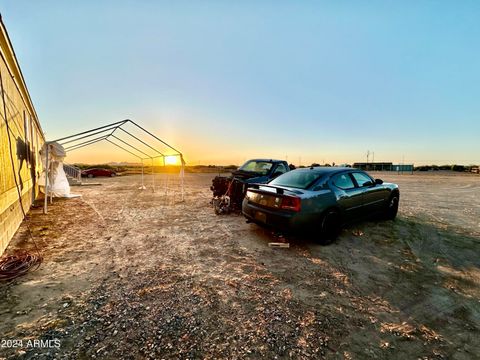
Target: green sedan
x=320, y=199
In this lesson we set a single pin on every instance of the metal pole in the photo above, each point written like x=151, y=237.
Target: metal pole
x=143, y=142
x=166, y=187
x=51, y=192
x=130, y=145
x=45, y=203
x=153, y=177
x=182, y=176
x=152, y=135
x=85, y=143
x=143, y=186
x=165, y=173
x=89, y=131
x=87, y=136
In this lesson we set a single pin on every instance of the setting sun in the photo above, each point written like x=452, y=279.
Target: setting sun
x=171, y=160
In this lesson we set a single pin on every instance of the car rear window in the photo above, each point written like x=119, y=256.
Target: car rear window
x=261, y=167
x=296, y=179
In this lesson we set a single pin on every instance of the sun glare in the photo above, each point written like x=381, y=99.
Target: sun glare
x=171, y=160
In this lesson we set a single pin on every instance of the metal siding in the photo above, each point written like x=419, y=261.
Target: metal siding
x=25, y=151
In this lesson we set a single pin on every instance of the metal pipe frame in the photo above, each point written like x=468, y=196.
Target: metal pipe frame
x=143, y=142
x=86, y=136
x=148, y=156
x=86, y=143
x=121, y=147
x=154, y=136
x=118, y=123
x=114, y=127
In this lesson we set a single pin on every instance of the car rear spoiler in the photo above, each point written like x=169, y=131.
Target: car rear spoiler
x=280, y=191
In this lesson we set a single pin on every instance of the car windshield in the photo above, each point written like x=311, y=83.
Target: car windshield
x=257, y=166
x=299, y=179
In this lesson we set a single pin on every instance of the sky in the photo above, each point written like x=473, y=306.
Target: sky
x=222, y=81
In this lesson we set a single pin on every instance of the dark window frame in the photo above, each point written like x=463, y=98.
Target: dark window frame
x=355, y=180
x=348, y=174
x=280, y=165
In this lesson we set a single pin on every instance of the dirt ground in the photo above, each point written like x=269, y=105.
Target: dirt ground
x=133, y=274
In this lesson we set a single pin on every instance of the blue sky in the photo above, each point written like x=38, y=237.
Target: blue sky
x=225, y=81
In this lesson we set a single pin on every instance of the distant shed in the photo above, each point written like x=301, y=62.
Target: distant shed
x=383, y=166
x=21, y=143
x=403, y=168
x=378, y=166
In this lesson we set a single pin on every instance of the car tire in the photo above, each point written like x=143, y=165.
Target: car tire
x=392, y=207
x=330, y=226
x=90, y=176
x=113, y=175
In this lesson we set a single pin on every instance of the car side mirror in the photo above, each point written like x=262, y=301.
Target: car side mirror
x=378, y=181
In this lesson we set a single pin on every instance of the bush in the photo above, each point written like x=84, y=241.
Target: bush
x=458, y=168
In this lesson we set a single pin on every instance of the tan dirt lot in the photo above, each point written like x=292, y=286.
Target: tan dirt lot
x=133, y=274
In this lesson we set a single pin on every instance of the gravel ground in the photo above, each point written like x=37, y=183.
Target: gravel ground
x=136, y=274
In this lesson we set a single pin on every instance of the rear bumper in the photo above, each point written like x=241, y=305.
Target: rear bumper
x=278, y=219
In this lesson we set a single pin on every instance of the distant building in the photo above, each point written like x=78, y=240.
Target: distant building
x=383, y=166
x=380, y=166
x=403, y=167
x=22, y=146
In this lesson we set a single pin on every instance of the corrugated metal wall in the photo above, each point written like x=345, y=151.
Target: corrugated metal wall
x=26, y=139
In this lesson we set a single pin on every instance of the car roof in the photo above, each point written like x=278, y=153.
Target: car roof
x=327, y=170
x=267, y=160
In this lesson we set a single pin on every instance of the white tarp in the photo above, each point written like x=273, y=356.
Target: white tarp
x=58, y=185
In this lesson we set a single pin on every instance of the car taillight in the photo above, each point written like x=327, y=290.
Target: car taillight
x=291, y=203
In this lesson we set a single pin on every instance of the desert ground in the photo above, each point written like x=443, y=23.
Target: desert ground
x=134, y=274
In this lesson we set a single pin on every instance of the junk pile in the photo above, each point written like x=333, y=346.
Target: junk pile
x=229, y=191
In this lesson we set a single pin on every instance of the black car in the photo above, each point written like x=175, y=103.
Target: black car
x=320, y=199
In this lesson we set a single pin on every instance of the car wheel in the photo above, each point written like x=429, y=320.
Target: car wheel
x=392, y=207
x=113, y=175
x=90, y=176
x=330, y=226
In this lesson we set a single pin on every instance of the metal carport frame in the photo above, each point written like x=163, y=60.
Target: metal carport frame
x=87, y=135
